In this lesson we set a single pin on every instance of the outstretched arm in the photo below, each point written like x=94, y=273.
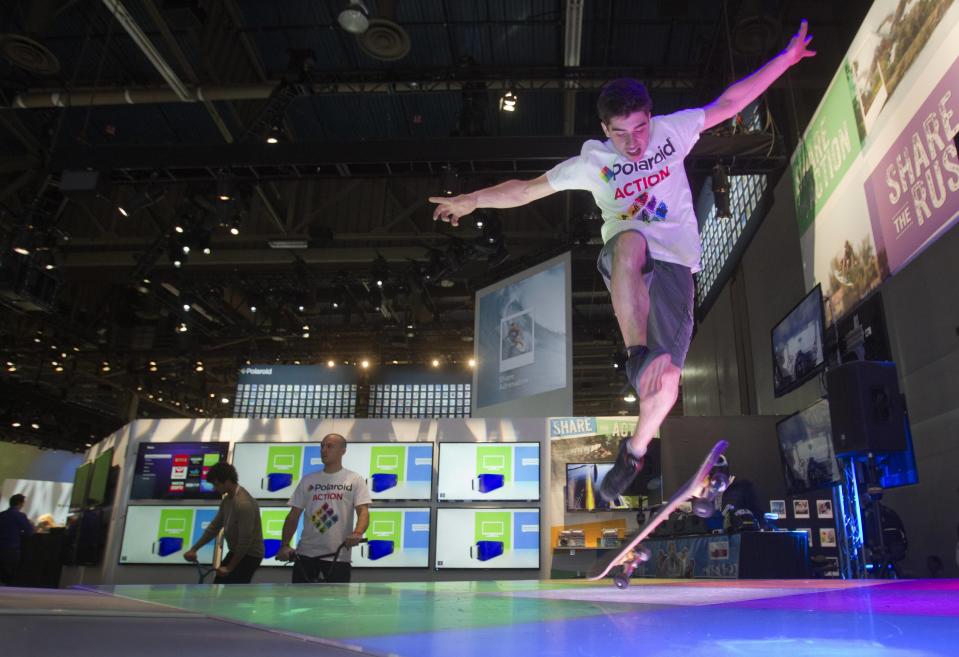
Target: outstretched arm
x=509, y=194
x=737, y=96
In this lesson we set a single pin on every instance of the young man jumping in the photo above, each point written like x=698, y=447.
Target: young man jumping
x=651, y=245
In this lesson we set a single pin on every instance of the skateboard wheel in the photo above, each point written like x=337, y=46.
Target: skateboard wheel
x=621, y=581
x=703, y=508
x=643, y=554
x=718, y=483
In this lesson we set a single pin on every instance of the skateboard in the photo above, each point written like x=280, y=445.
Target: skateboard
x=702, y=488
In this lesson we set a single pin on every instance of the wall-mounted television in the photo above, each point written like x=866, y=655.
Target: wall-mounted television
x=161, y=534
x=397, y=537
x=81, y=484
x=582, y=489
x=100, y=490
x=797, y=344
x=393, y=471
x=487, y=538
x=583, y=481
x=474, y=472
x=805, y=446
x=166, y=471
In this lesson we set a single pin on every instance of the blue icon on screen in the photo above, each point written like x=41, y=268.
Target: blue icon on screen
x=383, y=481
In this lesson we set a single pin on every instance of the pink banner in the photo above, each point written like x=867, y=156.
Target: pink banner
x=913, y=193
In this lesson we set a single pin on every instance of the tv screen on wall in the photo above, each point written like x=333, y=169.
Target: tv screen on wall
x=805, y=445
x=393, y=471
x=176, y=471
x=487, y=538
x=797, y=344
x=476, y=472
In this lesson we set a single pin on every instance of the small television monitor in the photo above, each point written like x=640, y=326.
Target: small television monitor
x=100, y=477
x=487, y=538
x=583, y=481
x=81, y=484
x=805, y=446
x=176, y=471
x=474, y=472
x=797, y=344
x=393, y=471
x=397, y=537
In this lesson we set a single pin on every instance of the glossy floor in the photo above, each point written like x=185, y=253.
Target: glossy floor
x=563, y=618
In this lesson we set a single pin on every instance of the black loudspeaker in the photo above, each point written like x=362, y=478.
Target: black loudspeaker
x=865, y=408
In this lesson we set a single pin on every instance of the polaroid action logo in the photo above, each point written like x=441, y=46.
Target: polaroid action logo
x=259, y=371
x=628, y=168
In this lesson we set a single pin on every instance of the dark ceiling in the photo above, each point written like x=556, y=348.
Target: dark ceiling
x=159, y=106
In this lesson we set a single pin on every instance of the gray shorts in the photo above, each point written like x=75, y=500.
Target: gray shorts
x=671, y=296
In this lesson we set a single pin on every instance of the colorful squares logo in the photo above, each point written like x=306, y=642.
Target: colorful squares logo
x=606, y=174
x=324, y=518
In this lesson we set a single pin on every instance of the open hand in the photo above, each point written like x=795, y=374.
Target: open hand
x=451, y=209
x=797, y=50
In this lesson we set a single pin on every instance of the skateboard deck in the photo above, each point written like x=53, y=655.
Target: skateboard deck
x=698, y=486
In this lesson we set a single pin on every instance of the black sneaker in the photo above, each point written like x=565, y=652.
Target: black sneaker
x=621, y=475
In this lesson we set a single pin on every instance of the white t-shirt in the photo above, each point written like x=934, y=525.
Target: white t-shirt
x=328, y=502
x=651, y=195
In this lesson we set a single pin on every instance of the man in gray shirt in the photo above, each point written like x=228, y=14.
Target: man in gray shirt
x=239, y=517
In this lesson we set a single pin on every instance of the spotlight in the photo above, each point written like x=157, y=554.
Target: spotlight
x=355, y=17
x=224, y=400
x=24, y=241
x=275, y=135
x=178, y=228
x=629, y=398
x=720, y=186
x=224, y=189
x=35, y=426
x=508, y=102
x=235, y=226
x=435, y=362
x=182, y=328
x=449, y=181
x=252, y=308
x=330, y=363
x=16, y=424
x=365, y=364
x=105, y=367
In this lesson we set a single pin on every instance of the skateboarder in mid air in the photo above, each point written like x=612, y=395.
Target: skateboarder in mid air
x=650, y=234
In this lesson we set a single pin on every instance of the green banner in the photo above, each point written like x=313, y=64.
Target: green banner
x=388, y=459
x=385, y=526
x=828, y=148
x=272, y=521
x=176, y=523
x=495, y=459
x=494, y=526
x=285, y=459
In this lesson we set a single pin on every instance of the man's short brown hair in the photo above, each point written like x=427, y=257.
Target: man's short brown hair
x=622, y=97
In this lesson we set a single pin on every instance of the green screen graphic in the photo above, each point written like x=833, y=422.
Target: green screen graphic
x=272, y=522
x=388, y=459
x=385, y=526
x=494, y=526
x=495, y=459
x=284, y=459
x=176, y=523
x=210, y=459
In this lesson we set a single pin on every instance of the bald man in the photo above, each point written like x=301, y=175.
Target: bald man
x=331, y=498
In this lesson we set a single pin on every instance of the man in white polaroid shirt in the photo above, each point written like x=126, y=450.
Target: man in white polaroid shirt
x=329, y=498
x=650, y=234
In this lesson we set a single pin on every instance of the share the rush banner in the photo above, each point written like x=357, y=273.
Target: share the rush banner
x=913, y=193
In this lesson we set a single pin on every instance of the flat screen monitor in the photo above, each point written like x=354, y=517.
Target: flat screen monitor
x=100, y=478
x=474, y=472
x=797, y=343
x=582, y=489
x=176, y=471
x=81, y=484
x=393, y=471
x=487, y=538
x=397, y=537
x=805, y=445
